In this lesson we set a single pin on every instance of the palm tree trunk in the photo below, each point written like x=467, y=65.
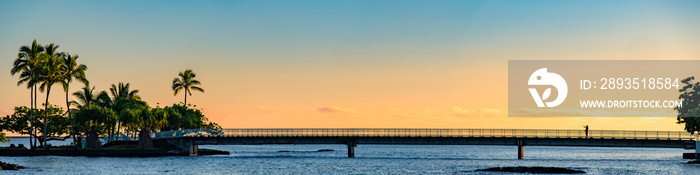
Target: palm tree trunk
x=46, y=115
x=145, y=140
x=185, y=98
x=69, y=118
x=118, y=127
x=111, y=132
x=36, y=100
x=31, y=116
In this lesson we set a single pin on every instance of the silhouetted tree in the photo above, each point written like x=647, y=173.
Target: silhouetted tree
x=690, y=111
x=93, y=121
x=70, y=68
x=181, y=117
x=122, y=97
x=50, y=74
x=144, y=120
x=186, y=82
x=26, y=66
x=19, y=122
x=86, y=96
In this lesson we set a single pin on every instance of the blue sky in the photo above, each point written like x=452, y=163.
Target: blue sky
x=381, y=59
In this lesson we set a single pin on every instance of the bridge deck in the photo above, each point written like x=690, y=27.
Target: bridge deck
x=187, y=140
x=372, y=132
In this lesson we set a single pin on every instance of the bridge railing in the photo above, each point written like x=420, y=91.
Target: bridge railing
x=188, y=133
x=398, y=132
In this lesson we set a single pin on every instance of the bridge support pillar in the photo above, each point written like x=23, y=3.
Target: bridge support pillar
x=697, y=150
x=521, y=149
x=194, y=150
x=351, y=150
x=185, y=146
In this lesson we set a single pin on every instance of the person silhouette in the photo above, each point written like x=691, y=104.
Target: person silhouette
x=586, y=130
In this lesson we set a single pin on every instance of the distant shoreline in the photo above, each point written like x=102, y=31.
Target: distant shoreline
x=104, y=153
x=17, y=136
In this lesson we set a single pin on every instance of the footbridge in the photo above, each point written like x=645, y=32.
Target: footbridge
x=188, y=140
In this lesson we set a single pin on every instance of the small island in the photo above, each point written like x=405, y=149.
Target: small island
x=115, y=122
x=111, y=149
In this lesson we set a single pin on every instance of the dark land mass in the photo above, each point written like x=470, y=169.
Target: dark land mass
x=534, y=170
x=89, y=152
x=206, y=152
x=111, y=149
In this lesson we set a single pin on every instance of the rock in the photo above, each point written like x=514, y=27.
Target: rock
x=9, y=166
x=21, y=146
x=204, y=152
x=534, y=170
x=12, y=145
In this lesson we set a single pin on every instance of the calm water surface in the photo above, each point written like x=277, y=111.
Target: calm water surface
x=370, y=159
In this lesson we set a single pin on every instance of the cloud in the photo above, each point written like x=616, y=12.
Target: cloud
x=335, y=109
x=460, y=111
x=484, y=112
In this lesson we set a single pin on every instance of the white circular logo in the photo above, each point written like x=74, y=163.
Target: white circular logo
x=542, y=77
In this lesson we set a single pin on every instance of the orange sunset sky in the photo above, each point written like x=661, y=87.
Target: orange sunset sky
x=346, y=64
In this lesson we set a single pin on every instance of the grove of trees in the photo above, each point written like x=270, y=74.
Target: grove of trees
x=118, y=111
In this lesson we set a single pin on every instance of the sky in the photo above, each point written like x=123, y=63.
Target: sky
x=346, y=64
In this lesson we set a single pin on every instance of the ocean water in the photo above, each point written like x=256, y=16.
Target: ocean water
x=370, y=159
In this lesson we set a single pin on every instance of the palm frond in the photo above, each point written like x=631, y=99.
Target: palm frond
x=177, y=90
x=197, y=88
x=186, y=82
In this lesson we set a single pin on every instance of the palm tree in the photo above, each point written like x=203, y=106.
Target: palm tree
x=71, y=69
x=50, y=74
x=122, y=92
x=85, y=96
x=122, y=98
x=144, y=120
x=25, y=64
x=186, y=82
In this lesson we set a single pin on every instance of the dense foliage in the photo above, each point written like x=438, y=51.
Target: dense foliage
x=119, y=111
x=93, y=121
x=181, y=117
x=19, y=122
x=4, y=139
x=689, y=113
x=143, y=120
